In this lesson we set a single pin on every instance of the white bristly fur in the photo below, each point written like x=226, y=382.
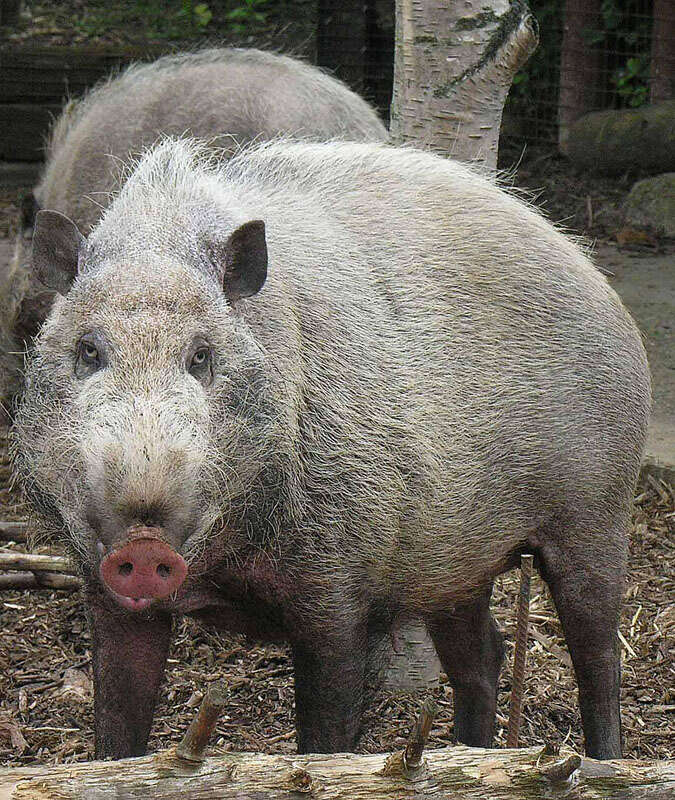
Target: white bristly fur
x=431, y=377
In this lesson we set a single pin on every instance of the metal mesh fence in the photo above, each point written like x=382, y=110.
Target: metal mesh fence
x=593, y=54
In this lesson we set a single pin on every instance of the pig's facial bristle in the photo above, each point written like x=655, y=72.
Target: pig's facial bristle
x=140, y=439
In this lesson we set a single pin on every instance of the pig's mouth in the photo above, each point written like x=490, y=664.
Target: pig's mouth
x=132, y=603
x=142, y=569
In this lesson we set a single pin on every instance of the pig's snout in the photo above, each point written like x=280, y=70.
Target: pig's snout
x=144, y=568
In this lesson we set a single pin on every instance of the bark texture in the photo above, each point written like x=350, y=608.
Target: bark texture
x=453, y=69
x=461, y=773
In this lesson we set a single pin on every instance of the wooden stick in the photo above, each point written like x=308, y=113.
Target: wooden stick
x=30, y=562
x=13, y=531
x=197, y=736
x=520, y=655
x=420, y=734
x=39, y=580
x=561, y=771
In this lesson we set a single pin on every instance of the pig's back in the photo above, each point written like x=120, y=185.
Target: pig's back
x=227, y=96
x=471, y=351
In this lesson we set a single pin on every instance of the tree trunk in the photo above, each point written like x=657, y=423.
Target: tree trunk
x=453, y=68
x=580, y=66
x=662, y=77
x=461, y=773
x=410, y=662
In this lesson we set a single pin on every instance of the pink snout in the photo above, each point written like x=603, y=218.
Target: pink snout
x=144, y=568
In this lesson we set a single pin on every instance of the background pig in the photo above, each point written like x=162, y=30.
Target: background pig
x=227, y=96
x=318, y=390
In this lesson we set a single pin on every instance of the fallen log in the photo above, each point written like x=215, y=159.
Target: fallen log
x=11, y=531
x=39, y=580
x=30, y=562
x=460, y=773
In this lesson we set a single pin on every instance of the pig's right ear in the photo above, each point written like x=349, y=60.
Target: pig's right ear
x=243, y=259
x=56, y=248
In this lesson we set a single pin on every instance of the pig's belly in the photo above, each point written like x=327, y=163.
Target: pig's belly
x=261, y=624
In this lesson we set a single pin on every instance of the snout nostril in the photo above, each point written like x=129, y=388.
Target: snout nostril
x=126, y=568
x=163, y=570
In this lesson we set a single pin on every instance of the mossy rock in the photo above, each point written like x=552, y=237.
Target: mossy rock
x=613, y=142
x=651, y=203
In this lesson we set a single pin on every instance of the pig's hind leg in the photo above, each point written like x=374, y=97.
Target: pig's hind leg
x=585, y=573
x=470, y=648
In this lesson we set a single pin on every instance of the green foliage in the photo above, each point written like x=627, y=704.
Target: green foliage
x=623, y=33
x=154, y=19
x=631, y=81
x=198, y=16
x=178, y=19
x=247, y=15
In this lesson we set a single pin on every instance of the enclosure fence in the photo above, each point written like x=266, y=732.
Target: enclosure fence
x=593, y=55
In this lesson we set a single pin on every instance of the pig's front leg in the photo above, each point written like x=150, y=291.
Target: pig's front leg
x=128, y=659
x=329, y=686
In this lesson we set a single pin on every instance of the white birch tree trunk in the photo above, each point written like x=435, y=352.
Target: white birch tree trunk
x=453, y=68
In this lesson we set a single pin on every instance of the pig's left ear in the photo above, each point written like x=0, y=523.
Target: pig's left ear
x=243, y=258
x=56, y=247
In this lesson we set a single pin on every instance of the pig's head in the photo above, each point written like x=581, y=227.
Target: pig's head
x=145, y=418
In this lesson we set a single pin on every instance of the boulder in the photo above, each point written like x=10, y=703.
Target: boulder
x=613, y=142
x=651, y=204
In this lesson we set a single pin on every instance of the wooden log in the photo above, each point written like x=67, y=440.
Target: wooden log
x=615, y=141
x=39, y=580
x=460, y=773
x=30, y=562
x=11, y=531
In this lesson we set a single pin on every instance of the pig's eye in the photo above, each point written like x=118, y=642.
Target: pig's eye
x=199, y=365
x=200, y=358
x=89, y=357
x=89, y=353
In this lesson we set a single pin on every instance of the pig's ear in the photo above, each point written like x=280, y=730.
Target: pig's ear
x=243, y=258
x=56, y=247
